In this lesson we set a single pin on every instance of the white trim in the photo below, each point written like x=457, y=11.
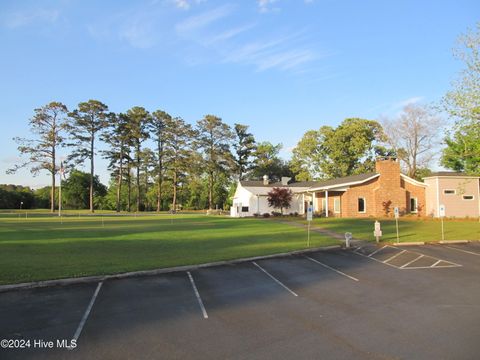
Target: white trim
x=364, y=205
x=342, y=184
x=339, y=209
x=412, y=181
x=438, y=199
x=326, y=203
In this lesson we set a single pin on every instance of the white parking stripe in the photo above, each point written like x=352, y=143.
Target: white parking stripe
x=197, y=294
x=394, y=256
x=411, y=262
x=376, y=251
x=433, y=265
x=274, y=279
x=465, y=251
x=87, y=312
x=329, y=267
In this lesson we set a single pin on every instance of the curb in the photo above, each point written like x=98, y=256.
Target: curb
x=98, y=278
x=411, y=243
x=446, y=242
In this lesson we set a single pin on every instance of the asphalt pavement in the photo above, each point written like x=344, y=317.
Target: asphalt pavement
x=385, y=302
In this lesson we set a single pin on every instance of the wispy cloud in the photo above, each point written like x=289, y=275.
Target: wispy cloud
x=409, y=101
x=25, y=18
x=186, y=4
x=204, y=19
x=143, y=28
x=396, y=107
x=228, y=34
x=139, y=32
x=265, y=6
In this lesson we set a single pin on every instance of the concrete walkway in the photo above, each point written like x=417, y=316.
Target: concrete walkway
x=330, y=233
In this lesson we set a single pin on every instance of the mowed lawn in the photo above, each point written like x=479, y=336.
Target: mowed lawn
x=42, y=247
x=409, y=229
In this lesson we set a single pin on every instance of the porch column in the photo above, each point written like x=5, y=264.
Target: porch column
x=314, y=197
x=326, y=203
x=303, y=204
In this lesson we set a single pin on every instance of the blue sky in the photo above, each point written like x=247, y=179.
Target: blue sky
x=282, y=67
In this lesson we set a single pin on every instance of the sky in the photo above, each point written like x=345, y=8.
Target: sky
x=280, y=66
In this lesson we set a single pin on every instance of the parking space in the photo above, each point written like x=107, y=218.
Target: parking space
x=403, y=258
x=330, y=304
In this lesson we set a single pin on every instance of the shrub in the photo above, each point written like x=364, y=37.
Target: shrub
x=276, y=213
x=266, y=215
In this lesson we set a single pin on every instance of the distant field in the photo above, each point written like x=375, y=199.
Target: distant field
x=409, y=229
x=42, y=247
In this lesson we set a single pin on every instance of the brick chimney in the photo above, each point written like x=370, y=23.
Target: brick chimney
x=389, y=170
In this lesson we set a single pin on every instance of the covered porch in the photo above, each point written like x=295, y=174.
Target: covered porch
x=325, y=202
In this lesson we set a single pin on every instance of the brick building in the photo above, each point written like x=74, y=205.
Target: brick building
x=373, y=194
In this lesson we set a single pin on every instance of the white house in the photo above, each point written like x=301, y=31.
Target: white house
x=251, y=197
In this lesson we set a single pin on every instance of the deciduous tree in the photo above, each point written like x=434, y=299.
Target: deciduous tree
x=462, y=152
x=280, y=198
x=414, y=135
x=349, y=149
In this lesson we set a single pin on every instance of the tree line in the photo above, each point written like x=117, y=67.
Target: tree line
x=183, y=160
x=158, y=161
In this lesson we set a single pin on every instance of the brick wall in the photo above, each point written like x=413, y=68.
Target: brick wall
x=416, y=192
x=381, y=194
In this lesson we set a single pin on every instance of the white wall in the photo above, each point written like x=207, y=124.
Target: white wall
x=258, y=203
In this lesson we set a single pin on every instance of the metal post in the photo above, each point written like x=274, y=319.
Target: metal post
x=443, y=233
x=308, y=237
x=398, y=238
x=60, y=197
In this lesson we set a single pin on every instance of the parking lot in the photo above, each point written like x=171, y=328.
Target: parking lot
x=366, y=303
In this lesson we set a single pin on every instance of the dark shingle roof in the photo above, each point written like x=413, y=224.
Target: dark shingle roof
x=344, y=180
x=259, y=183
x=314, y=184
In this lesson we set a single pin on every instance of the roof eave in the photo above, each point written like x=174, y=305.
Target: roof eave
x=341, y=185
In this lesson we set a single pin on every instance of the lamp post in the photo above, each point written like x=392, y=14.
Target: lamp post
x=21, y=204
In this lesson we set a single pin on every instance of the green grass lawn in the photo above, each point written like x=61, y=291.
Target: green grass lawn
x=42, y=247
x=409, y=229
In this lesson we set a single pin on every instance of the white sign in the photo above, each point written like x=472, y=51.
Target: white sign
x=377, y=226
x=348, y=237
x=309, y=213
x=377, y=233
x=395, y=210
x=442, y=210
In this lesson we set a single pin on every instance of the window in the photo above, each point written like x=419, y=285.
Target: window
x=449, y=192
x=362, y=205
x=336, y=205
x=468, y=197
x=244, y=208
x=324, y=204
x=413, y=205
